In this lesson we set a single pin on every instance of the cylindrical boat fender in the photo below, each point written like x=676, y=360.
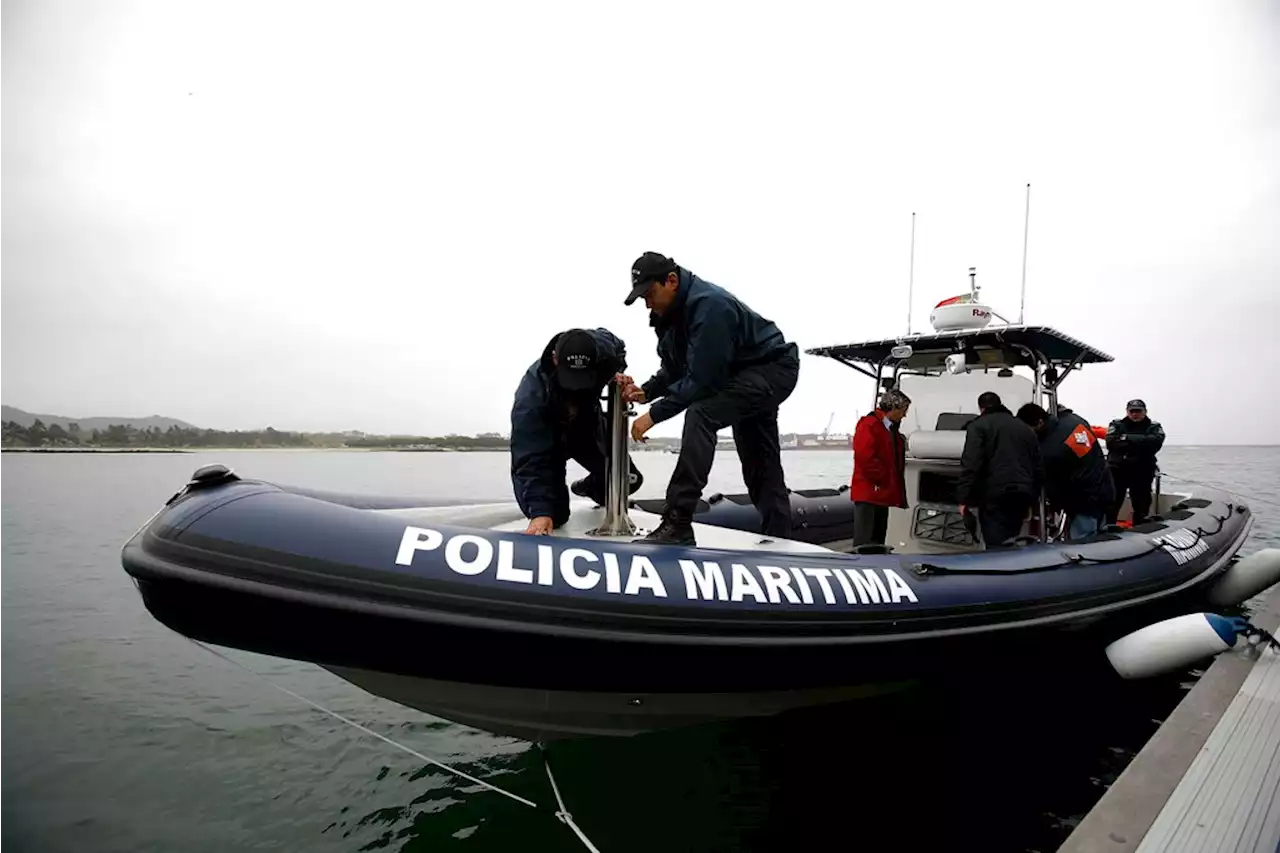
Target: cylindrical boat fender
x=1247, y=577
x=1170, y=645
x=1099, y=432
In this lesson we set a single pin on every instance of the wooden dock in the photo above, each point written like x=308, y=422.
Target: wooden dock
x=1208, y=781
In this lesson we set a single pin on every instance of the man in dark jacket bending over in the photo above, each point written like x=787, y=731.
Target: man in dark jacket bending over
x=1001, y=471
x=722, y=365
x=556, y=417
x=1077, y=481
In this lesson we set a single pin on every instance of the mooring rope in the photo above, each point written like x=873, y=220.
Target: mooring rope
x=1255, y=635
x=561, y=813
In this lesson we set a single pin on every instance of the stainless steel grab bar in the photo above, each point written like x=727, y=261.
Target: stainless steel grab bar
x=618, y=469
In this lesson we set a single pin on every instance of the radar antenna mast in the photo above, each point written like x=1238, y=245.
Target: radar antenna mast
x=911, y=280
x=1026, y=226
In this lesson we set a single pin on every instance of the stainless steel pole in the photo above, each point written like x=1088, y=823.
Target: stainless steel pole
x=618, y=468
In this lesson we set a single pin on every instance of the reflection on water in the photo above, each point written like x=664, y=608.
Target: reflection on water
x=122, y=736
x=976, y=760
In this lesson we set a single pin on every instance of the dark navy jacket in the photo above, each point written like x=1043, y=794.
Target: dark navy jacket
x=538, y=453
x=1001, y=457
x=1133, y=446
x=1076, y=477
x=706, y=337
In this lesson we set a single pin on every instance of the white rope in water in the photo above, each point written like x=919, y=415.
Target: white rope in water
x=368, y=731
x=562, y=814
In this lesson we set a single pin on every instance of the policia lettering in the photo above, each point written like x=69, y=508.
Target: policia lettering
x=583, y=569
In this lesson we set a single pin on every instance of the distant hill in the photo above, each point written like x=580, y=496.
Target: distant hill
x=26, y=419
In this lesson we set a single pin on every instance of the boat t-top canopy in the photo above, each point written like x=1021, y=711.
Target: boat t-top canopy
x=963, y=340
x=1050, y=355
x=1030, y=346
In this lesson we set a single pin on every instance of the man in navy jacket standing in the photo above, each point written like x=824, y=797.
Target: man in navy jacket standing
x=722, y=365
x=1132, y=444
x=556, y=416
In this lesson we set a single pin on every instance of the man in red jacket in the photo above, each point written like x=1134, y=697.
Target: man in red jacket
x=879, y=465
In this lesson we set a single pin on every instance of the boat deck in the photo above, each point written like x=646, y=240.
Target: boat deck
x=586, y=515
x=1208, y=781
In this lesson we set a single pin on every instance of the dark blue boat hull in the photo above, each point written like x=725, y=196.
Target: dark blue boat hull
x=254, y=566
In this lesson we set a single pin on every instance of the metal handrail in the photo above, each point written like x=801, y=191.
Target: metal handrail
x=617, y=468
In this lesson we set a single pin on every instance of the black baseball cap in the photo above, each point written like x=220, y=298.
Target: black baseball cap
x=1136, y=405
x=576, y=357
x=648, y=268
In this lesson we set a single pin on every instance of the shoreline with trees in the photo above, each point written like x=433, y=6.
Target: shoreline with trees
x=124, y=438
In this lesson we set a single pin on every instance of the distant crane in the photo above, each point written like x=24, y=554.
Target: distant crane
x=827, y=431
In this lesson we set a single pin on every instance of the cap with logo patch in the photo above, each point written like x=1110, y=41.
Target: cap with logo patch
x=648, y=268
x=1136, y=405
x=576, y=358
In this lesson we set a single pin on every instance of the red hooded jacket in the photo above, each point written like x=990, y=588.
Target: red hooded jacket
x=879, y=463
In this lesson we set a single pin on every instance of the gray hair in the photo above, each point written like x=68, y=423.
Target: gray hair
x=894, y=399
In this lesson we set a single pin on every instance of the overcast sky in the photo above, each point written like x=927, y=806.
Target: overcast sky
x=374, y=215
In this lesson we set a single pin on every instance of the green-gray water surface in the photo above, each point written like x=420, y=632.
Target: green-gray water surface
x=122, y=736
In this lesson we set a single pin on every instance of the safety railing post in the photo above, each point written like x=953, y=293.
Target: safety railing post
x=618, y=468
x=1044, y=518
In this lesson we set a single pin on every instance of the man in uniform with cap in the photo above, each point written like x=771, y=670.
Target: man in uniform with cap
x=556, y=417
x=723, y=365
x=1132, y=444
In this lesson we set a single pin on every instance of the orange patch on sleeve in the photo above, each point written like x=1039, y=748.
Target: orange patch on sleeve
x=1080, y=441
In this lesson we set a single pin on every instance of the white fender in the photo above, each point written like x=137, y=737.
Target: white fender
x=1247, y=577
x=1170, y=645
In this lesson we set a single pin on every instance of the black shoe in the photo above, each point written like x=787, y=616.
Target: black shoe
x=671, y=533
x=579, y=487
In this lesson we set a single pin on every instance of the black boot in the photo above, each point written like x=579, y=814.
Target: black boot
x=671, y=532
x=579, y=488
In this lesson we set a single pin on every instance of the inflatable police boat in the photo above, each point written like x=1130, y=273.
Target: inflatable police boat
x=453, y=610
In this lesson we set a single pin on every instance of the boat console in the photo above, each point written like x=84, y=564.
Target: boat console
x=943, y=373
